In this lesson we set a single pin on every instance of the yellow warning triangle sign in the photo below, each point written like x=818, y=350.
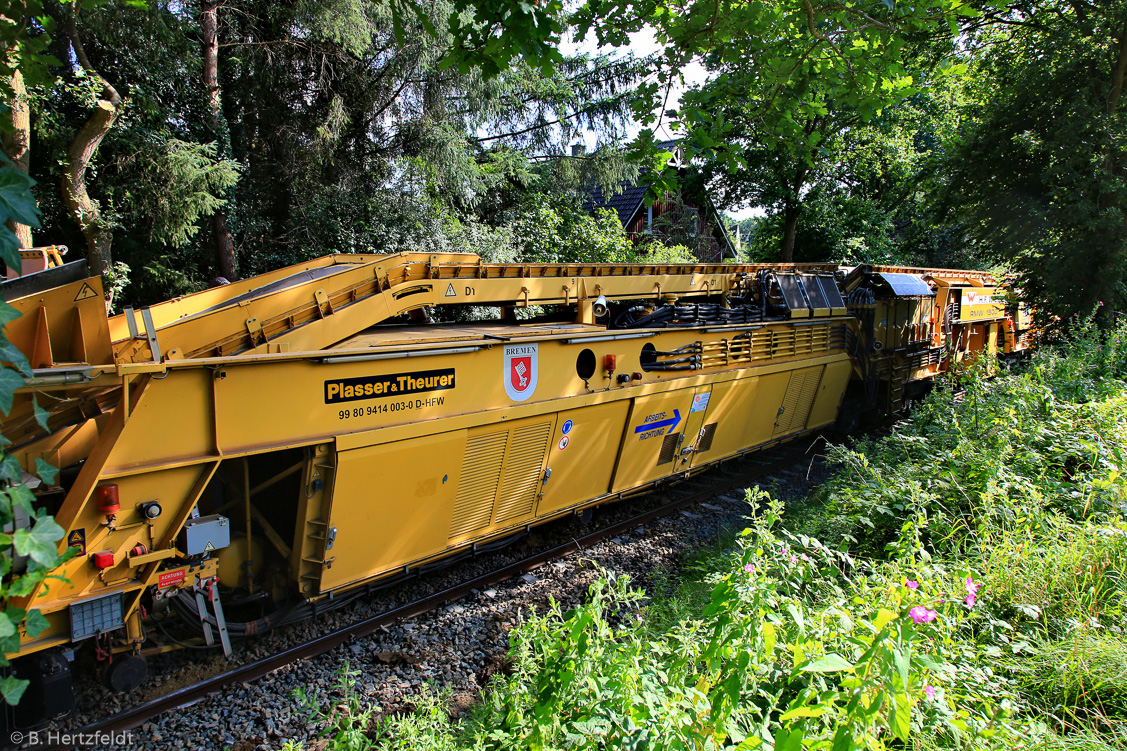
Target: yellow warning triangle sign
x=85, y=292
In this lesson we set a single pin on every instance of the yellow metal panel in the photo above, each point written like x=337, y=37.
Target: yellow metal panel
x=732, y=406
x=90, y=529
x=830, y=391
x=171, y=421
x=982, y=304
x=502, y=468
x=798, y=400
x=583, y=464
x=524, y=466
x=653, y=420
x=391, y=505
x=694, y=428
x=481, y=472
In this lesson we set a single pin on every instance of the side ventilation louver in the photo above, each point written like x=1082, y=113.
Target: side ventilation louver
x=801, y=390
x=706, y=435
x=668, y=448
x=521, y=482
x=500, y=478
x=481, y=473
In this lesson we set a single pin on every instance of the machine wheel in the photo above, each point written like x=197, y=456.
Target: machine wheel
x=127, y=673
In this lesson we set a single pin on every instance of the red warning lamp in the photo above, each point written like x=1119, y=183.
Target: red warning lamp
x=102, y=560
x=108, y=501
x=610, y=362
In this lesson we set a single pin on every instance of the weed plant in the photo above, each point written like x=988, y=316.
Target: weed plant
x=959, y=584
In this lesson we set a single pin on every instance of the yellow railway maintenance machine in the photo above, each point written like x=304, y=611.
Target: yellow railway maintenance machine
x=916, y=323
x=280, y=444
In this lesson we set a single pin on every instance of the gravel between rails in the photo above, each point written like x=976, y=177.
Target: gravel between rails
x=457, y=647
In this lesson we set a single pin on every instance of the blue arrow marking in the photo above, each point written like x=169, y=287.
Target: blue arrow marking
x=648, y=426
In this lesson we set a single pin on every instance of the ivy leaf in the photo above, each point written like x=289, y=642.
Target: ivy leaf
x=46, y=472
x=41, y=414
x=11, y=354
x=16, y=202
x=8, y=622
x=12, y=688
x=10, y=380
x=7, y=314
x=10, y=469
x=9, y=248
x=39, y=541
x=35, y=623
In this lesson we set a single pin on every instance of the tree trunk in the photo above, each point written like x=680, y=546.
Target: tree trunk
x=224, y=244
x=81, y=150
x=17, y=145
x=790, y=212
x=790, y=227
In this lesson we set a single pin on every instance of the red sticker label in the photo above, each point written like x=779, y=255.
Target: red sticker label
x=563, y=443
x=169, y=578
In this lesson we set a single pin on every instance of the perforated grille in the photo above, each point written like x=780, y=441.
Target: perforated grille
x=798, y=400
x=93, y=617
x=668, y=448
x=705, y=442
x=481, y=473
x=522, y=472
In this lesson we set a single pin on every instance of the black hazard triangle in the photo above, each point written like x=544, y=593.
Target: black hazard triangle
x=85, y=292
x=450, y=291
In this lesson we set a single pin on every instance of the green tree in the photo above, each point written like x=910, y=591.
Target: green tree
x=1038, y=175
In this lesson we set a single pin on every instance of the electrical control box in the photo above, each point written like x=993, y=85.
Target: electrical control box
x=205, y=534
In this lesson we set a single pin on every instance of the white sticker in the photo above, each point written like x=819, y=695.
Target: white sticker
x=450, y=290
x=521, y=370
x=563, y=443
x=700, y=402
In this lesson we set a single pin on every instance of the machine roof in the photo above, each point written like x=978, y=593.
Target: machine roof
x=907, y=285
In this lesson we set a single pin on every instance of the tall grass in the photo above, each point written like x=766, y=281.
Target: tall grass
x=961, y=584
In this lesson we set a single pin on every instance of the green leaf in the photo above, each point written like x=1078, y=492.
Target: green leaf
x=39, y=542
x=10, y=380
x=11, y=354
x=815, y=711
x=46, y=472
x=16, y=201
x=10, y=248
x=41, y=414
x=35, y=623
x=7, y=315
x=7, y=624
x=831, y=663
x=13, y=689
x=902, y=717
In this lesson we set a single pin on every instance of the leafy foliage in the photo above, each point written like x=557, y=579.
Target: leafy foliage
x=34, y=535
x=966, y=589
x=1039, y=176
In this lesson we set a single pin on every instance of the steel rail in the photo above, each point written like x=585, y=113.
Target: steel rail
x=138, y=715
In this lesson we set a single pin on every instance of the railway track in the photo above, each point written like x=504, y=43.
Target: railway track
x=721, y=480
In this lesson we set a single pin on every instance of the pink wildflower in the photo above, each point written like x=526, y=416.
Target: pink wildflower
x=921, y=614
x=793, y=559
x=972, y=591
x=749, y=568
x=805, y=557
x=910, y=584
x=930, y=691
